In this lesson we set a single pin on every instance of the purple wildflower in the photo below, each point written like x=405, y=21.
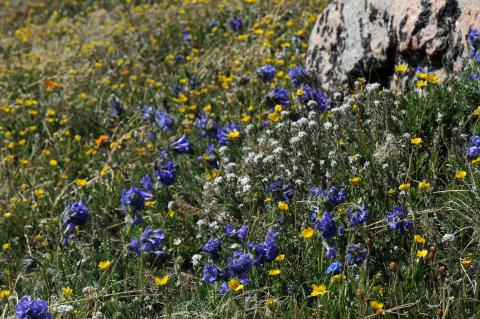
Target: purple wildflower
x=163, y=120
x=29, y=308
x=266, y=73
x=357, y=216
x=167, y=175
x=182, y=145
x=213, y=247
x=356, y=254
x=326, y=226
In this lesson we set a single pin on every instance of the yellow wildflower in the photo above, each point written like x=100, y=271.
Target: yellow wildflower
x=39, y=193
x=339, y=277
x=269, y=302
x=150, y=203
x=235, y=285
x=307, y=232
x=424, y=185
x=460, y=174
x=422, y=253
x=421, y=84
x=419, y=239
x=81, y=182
x=161, y=281
x=233, y=134
x=274, y=272
x=5, y=293
x=432, y=78
x=466, y=262
x=401, y=68
x=67, y=292
x=477, y=111
x=422, y=75
x=104, y=170
x=318, y=290
x=246, y=118
x=280, y=258
x=416, y=141
x=104, y=265
x=376, y=305
x=404, y=186
x=282, y=206
x=274, y=116
x=355, y=180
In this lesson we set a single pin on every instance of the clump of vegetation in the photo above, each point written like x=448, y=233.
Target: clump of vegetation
x=176, y=160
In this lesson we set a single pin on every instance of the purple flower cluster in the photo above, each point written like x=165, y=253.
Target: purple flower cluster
x=266, y=73
x=75, y=214
x=210, y=273
x=209, y=157
x=298, y=76
x=316, y=191
x=147, y=183
x=473, y=150
x=278, y=96
x=147, y=112
x=160, y=118
x=356, y=254
x=150, y=241
x=331, y=252
x=325, y=224
x=267, y=250
x=241, y=234
x=236, y=23
x=163, y=120
x=280, y=191
x=213, y=247
x=166, y=175
x=314, y=99
x=474, y=41
x=335, y=268
x=239, y=264
x=182, y=145
x=206, y=125
x=134, y=199
x=29, y=308
x=222, y=133
x=397, y=222
x=356, y=216
x=186, y=36
x=336, y=196
x=117, y=107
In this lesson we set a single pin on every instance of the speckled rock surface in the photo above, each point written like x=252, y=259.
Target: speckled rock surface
x=353, y=38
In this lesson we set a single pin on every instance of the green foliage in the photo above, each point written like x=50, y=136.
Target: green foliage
x=62, y=64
